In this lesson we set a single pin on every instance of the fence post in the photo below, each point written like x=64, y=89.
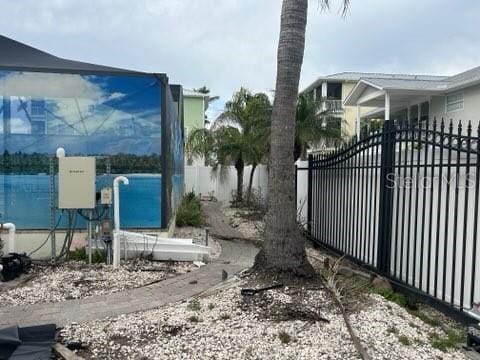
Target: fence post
x=386, y=197
x=309, y=194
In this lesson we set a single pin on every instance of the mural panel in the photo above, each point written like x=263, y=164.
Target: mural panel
x=115, y=118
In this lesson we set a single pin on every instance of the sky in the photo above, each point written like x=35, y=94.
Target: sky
x=232, y=43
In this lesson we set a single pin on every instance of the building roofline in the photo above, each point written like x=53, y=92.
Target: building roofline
x=362, y=75
x=18, y=56
x=196, y=94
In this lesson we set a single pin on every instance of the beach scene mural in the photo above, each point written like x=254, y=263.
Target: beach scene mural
x=116, y=118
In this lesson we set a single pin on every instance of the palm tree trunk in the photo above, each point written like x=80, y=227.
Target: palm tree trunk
x=284, y=247
x=250, y=183
x=239, y=166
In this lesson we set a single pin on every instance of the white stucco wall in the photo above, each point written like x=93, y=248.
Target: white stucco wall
x=471, y=108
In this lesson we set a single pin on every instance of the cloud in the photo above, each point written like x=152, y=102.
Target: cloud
x=19, y=126
x=48, y=85
x=75, y=103
x=233, y=43
x=115, y=95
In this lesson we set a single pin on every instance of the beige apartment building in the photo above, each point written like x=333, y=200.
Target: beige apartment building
x=356, y=98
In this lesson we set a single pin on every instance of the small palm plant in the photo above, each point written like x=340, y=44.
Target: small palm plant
x=238, y=137
x=313, y=125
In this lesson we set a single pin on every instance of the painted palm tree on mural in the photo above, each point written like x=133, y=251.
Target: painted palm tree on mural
x=284, y=248
x=238, y=137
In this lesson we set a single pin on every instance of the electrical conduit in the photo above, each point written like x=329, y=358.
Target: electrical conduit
x=116, y=214
x=11, y=236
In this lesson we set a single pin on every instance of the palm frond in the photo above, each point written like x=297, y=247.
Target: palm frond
x=325, y=5
x=200, y=143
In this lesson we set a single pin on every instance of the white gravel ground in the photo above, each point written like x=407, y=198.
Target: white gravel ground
x=249, y=229
x=75, y=280
x=227, y=326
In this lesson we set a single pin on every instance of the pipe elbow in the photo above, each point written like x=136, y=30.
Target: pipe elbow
x=9, y=226
x=120, y=179
x=11, y=235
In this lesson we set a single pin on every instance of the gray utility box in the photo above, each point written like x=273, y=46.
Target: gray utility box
x=76, y=182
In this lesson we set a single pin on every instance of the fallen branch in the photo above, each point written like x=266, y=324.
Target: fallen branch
x=227, y=237
x=331, y=285
x=150, y=283
x=251, y=292
x=19, y=282
x=315, y=257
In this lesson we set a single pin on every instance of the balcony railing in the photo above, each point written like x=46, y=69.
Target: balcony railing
x=325, y=145
x=334, y=106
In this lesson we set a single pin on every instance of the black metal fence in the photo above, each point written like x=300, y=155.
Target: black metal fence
x=404, y=201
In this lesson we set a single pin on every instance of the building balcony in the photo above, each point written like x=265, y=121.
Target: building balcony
x=332, y=105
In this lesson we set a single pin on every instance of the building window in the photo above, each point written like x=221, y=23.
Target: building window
x=334, y=91
x=424, y=111
x=454, y=102
x=38, y=107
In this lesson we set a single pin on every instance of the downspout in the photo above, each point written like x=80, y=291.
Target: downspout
x=116, y=214
x=11, y=235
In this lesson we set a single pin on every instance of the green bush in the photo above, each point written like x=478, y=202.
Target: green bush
x=284, y=337
x=189, y=213
x=453, y=339
x=393, y=296
x=404, y=340
x=80, y=254
x=194, y=305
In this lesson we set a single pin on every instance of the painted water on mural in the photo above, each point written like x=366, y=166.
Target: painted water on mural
x=25, y=201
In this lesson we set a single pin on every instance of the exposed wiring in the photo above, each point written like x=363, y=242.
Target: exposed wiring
x=48, y=236
x=72, y=222
x=65, y=240
x=98, y=218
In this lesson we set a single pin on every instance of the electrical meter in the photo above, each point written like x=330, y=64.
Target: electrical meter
x=106, y=196
x=106, y=230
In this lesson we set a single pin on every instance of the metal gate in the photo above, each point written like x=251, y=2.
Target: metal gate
x=404, y=201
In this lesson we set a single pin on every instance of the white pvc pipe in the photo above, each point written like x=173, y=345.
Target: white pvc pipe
x=11, y=236
x=116, y=216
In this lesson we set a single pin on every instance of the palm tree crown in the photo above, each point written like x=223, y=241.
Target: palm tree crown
x=312, y=125
x=239, y=136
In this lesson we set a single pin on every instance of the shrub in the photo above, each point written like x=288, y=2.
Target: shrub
x=224, y=316
x=256, y=202
x=453, y=340
x=393, y=296
x=194, y=305
x=284, y=337
x=189, y=212
x=80, y=254
x=194, y=319
x=404, y=340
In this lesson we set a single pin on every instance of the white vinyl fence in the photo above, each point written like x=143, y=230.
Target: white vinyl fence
x=203, y=180
x=302, y=191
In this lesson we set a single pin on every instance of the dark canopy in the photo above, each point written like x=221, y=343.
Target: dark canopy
x=17, y=56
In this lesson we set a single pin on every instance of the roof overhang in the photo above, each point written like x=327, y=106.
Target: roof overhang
x=323, y=79
x=368, y=94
